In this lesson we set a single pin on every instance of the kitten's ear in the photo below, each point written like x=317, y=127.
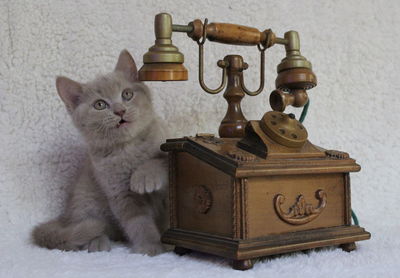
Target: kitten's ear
x=127, y=65
x=69, y=91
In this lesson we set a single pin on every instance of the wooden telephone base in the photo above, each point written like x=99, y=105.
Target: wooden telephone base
x=245, y=198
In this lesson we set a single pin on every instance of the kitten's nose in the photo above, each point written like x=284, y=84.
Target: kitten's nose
x=119, y=110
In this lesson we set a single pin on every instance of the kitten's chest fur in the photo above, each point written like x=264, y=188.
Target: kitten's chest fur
x=114, y=167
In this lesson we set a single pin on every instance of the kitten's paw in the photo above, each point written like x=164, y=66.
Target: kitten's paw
x=98, y=244
x=142, y=182
x=149, y=178
x=151, y=249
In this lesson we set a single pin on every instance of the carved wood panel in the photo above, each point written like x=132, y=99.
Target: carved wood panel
x=300, y=212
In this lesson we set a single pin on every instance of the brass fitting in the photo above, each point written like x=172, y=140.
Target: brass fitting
x=294, y=71
x=295, y=76
x=293, y=58
x=163, y=61
x=279, y=100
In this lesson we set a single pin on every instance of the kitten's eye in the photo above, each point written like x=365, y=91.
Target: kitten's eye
x=100, y=104
x=127, y=94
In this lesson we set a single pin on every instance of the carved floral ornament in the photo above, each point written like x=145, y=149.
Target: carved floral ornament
x=300, y=212
x=202, y=198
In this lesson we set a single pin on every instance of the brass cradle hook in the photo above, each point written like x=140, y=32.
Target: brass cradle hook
x=221, y=64
x=224, y=64
x=262, y=49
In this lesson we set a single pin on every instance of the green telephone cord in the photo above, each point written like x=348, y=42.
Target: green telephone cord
x=302, y=117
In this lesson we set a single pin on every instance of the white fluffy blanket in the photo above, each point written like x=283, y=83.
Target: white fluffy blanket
x=353, y=46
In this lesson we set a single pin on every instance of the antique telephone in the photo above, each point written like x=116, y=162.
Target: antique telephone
x=249, y=192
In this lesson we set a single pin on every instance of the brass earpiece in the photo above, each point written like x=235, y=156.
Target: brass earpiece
x=163, y=61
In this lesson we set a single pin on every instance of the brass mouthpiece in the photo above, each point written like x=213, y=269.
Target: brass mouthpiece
x=279, y=100
x=163, y=61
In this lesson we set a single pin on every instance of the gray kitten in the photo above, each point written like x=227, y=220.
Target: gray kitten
x=120, y=193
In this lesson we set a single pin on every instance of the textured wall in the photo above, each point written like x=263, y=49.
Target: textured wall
x=353, y=46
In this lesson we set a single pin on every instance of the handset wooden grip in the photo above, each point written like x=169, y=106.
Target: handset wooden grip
x=234, y=34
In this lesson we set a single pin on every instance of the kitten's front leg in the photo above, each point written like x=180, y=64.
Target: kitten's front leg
x=150, y=176
x=136, y=216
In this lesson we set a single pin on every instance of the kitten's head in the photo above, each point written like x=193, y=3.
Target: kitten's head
x=113, y=108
